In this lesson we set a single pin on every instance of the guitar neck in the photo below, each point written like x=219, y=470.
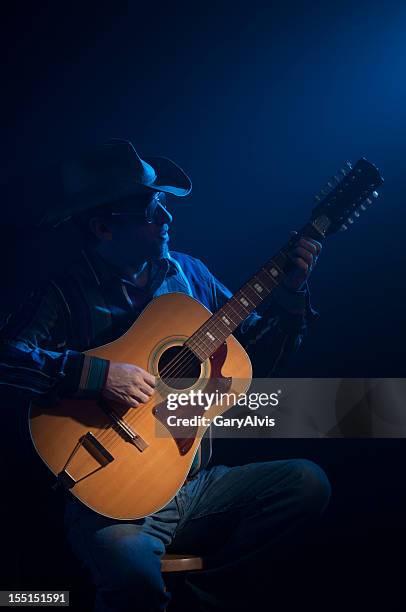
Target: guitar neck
x=213, y=333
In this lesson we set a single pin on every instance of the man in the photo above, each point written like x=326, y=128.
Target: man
x=234, y=516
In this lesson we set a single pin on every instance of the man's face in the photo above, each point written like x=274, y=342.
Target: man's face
x=139, y=230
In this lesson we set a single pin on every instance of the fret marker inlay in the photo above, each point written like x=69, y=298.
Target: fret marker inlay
x=244, y=302
x=209, y=335
x=258, y=287
x=274, y=272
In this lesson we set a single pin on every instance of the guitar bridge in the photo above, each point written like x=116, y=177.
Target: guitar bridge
x=99, y=458
x=124, y=428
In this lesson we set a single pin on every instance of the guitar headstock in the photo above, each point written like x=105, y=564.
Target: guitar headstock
x=345, y=197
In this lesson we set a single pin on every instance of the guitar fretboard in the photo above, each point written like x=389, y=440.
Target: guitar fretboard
x=213, y=333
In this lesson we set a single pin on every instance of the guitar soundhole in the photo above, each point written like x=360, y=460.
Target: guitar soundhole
x=178, y=367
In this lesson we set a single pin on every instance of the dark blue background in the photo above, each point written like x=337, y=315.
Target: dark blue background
x=261, y=103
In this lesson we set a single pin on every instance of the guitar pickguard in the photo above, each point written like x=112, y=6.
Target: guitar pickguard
x=217, y=382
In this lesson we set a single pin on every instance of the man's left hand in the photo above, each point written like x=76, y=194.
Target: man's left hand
x=304, y=254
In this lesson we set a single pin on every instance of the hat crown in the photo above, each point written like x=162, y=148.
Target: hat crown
x=108, y=165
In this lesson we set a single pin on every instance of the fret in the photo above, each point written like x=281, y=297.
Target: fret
x=259, y=288
x=280, y=260
x=228, y=305
x=218, y=323
x=207, y=333
x=274, y=270
x=200, y=339
x=271, y=277
x=238, y=303
x=208, y=340
x=208, y=330
x=256, y=299
x=223, y=322
x=194, y=344
x=226, y=320
x=244, y=299
x=195, y=349
x=234, y=310
x=259, y=277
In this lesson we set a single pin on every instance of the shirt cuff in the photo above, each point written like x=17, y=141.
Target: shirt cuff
x=293, y=302
x=93, y=376
x=81, y=375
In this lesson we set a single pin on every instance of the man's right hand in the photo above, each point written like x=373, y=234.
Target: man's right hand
x=128, y=384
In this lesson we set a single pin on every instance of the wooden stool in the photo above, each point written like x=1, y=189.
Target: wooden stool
x=181, y=563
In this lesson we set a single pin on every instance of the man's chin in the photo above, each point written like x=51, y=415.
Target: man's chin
x=160, y=250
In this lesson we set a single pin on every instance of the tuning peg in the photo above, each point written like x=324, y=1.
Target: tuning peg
x=356, y=213
x=368, y=201
x=375, y=194
x=346, y=168
x=363, y=207
x=350, y=220
x=320, y=196
x=344, y=227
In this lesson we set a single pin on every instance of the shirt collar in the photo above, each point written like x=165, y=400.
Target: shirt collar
x=104, y=273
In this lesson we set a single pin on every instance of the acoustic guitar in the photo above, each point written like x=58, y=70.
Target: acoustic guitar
x=129, y=463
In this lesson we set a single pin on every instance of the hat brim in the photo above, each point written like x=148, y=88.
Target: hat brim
x=169, y=178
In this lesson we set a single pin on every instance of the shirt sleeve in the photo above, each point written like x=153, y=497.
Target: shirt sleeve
x=34, y=361
x=274, y=336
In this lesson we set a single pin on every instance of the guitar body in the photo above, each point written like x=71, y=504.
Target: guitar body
x=111, y=473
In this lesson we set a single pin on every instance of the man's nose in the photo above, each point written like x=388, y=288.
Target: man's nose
x=162, y=215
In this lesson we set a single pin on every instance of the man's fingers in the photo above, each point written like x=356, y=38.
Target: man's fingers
x=300, y=263
x=147, y=389
x=132, y=401
x=311, y=245
x=302, y=253
x=137, y=394
x=149, y=379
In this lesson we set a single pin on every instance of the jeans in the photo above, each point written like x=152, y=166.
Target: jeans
x=235, y=517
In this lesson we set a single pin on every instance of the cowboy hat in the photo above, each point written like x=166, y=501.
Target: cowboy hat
x=110, y=172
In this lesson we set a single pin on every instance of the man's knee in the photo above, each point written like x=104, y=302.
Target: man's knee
x=137, y=573
x=125, y=567
x=312, y=486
